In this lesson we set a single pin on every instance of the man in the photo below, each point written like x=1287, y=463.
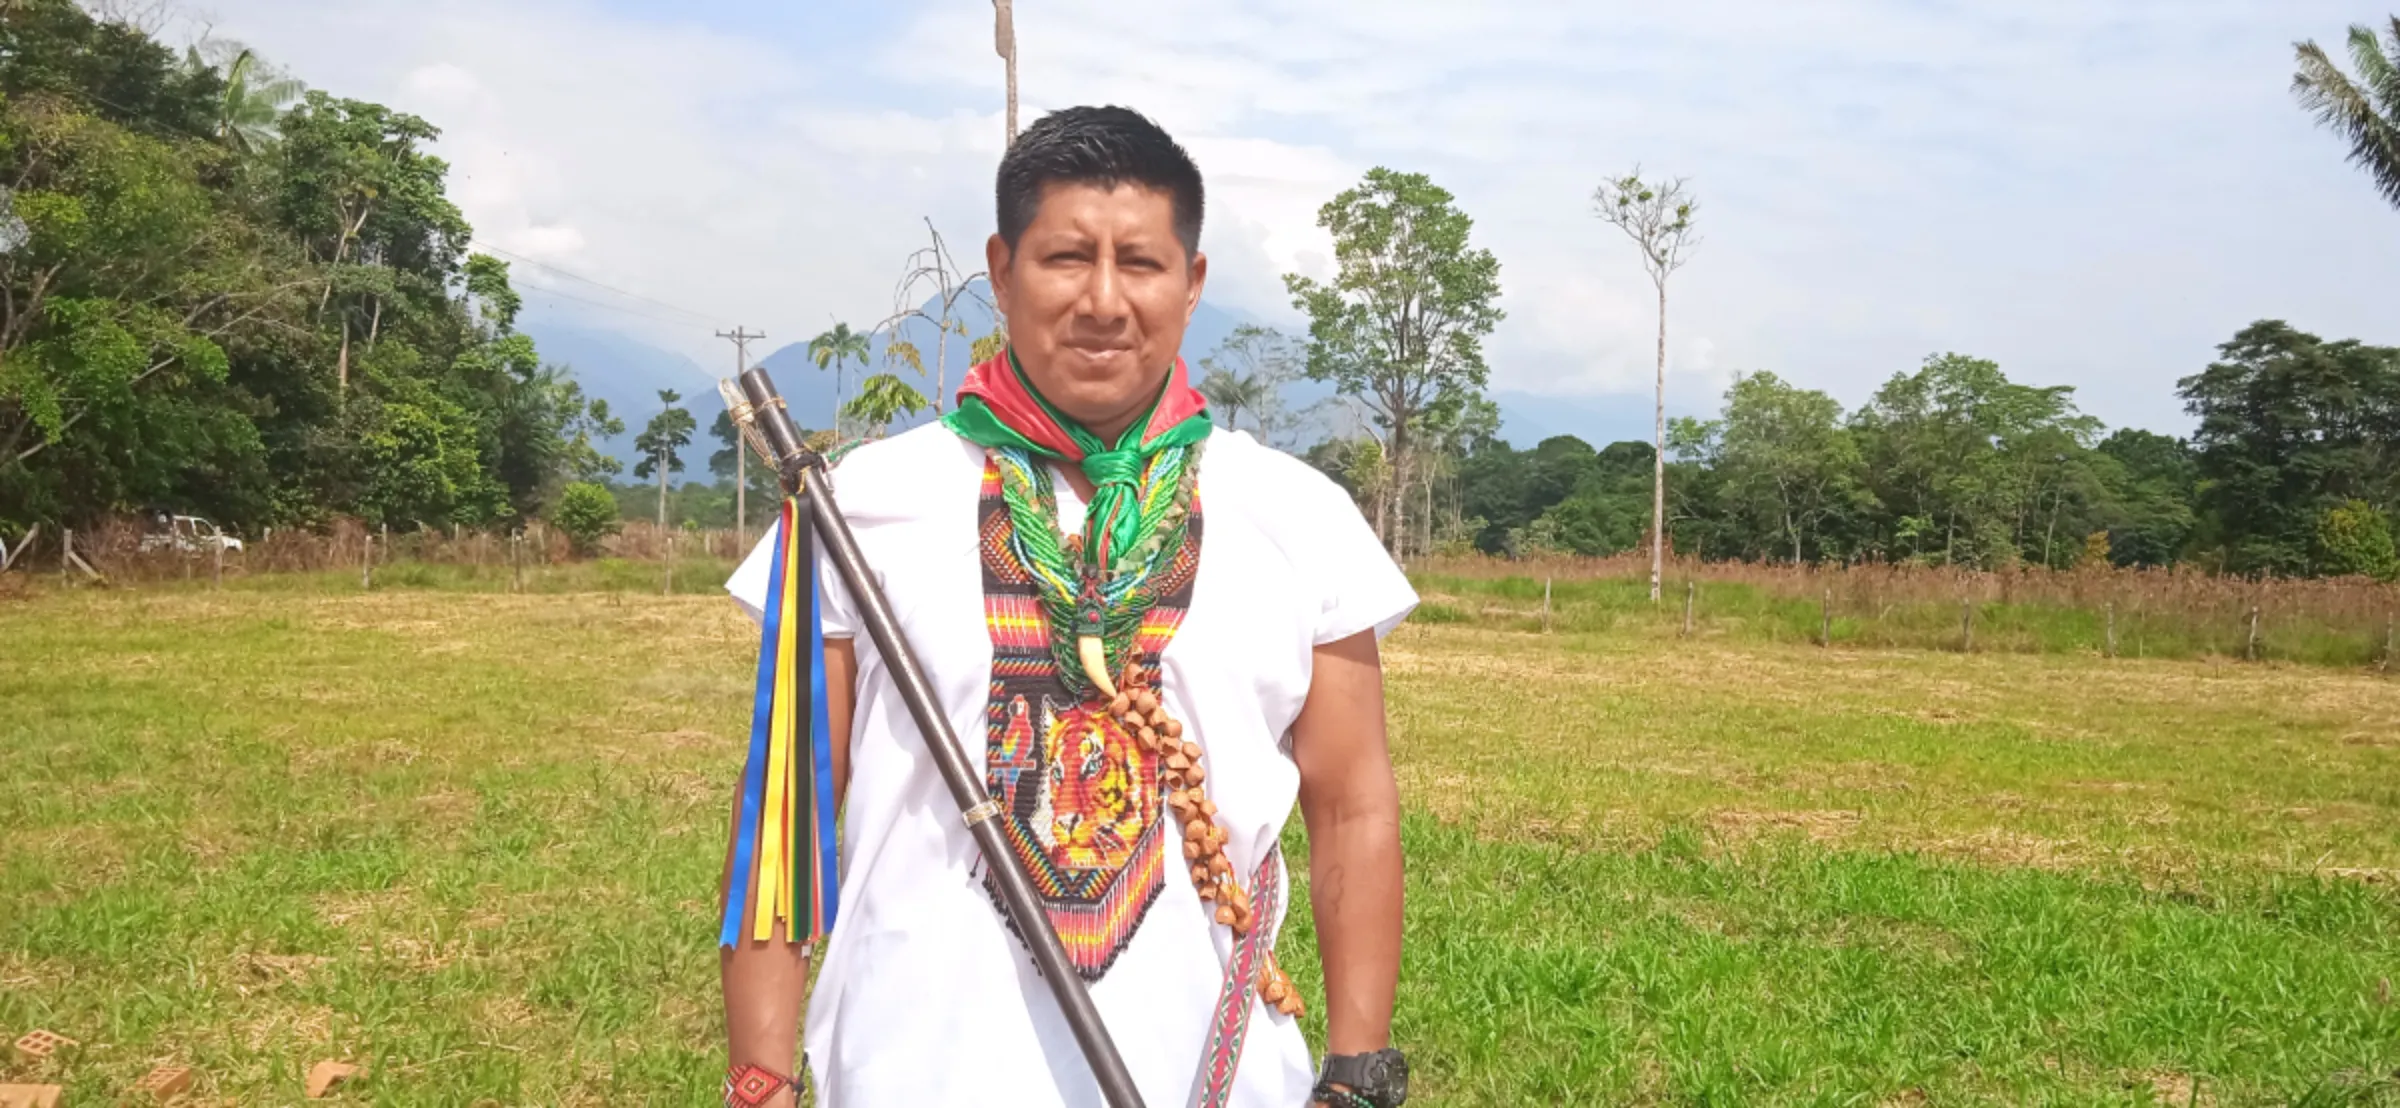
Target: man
x=1160, y=635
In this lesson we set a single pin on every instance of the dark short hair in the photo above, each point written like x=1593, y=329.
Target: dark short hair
x=1105, y=147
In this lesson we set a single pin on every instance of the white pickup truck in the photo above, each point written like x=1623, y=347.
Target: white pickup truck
x=186, y=533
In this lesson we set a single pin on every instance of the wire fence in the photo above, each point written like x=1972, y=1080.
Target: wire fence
x=2106, y=610
x=125, y=553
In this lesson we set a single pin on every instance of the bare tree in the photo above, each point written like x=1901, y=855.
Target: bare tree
x=930, y=266
x=1657, y=216
x=1004, y=41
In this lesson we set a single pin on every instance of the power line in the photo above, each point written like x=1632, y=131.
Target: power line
x=572, y=275
x=653, y=317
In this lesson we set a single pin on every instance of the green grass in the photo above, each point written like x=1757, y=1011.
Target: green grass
x=470, y=839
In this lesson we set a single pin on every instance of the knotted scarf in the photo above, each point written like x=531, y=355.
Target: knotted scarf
x=999, y=407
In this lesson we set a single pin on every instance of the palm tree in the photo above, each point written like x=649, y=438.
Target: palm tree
x=255, y=94
x=882, y=399
x=1233, y=394
x=833, y=348
x=2365, y=111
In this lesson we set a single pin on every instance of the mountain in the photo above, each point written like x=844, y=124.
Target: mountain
x=627, y=373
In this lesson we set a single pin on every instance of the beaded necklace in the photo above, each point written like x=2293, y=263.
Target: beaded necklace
x=1079, y=597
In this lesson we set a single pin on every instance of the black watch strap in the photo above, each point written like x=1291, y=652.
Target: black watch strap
x=1377, y=1080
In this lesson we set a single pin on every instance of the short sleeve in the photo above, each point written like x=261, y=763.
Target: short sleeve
x=748, y=586
x=1360, y=588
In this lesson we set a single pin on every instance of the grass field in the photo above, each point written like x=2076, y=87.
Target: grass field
x=470, y=839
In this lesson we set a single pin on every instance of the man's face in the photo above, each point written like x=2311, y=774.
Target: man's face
x=1097, y=293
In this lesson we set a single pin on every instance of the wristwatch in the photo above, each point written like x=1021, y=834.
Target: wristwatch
x=1378, y=1080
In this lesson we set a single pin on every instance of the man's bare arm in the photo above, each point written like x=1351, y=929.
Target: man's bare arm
x=766, y=983
x=1352, y=808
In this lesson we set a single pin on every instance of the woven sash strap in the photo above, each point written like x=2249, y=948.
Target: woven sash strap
x=1230, y=1024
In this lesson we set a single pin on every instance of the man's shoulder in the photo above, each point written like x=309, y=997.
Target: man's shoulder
x=903, y=475
x=1241, y=474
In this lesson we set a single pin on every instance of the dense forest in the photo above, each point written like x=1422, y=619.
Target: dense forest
x=2294, y=470
x=223, y=292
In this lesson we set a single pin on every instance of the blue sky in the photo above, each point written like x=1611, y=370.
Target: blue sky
x=2092, y=193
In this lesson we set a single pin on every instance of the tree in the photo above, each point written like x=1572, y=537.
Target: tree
x=1400, y=327
x=1004, y=42
x=2364, y=111
x=1247, y=372
x=1657, y=217
x=1786, y=463
x=882, y=399
x=1959, y=453
x=2355, y=539
x=2290, y=427
x=2152, y=480
x=930, y=266
x=268, y=333
x=586, y=514
x=661, y=444
x=832, y=350
x=255, y=94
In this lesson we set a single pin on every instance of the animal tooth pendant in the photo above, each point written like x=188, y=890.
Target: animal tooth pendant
x=1095, y=664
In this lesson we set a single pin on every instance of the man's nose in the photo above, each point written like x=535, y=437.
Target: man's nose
x=1104, y=292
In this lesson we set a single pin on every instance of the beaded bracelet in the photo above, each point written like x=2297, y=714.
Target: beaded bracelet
x=749, y=1086
x=1340, y=1098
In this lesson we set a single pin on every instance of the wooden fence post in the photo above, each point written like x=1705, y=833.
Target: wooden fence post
x=2250, y=648
x=516, y=565
x=66, y=552
x=1691, y=593
x=216, y=575
x=1545, y=605
x=669, y=589
x=2388, y=642
x=1966, y=625
x=1825, y=621
x=2111, y=650
x=366, y=560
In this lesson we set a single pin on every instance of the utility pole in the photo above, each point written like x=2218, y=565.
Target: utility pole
x=741, y=458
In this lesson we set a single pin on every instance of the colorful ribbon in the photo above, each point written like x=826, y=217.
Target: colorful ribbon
x=784, y=867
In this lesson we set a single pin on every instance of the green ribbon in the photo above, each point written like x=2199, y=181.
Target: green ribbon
x=1112, y=522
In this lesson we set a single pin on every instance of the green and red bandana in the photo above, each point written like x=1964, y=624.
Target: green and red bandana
x=999, y=407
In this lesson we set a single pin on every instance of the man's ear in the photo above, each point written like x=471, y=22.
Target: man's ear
x=996, y=256
x=1199, y=278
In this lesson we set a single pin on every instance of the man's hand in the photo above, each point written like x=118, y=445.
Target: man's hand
x=1352, y=809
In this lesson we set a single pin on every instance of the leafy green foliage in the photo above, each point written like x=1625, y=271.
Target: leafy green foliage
x=2354, y=538
x=1401, y=325
x=586, y=513
x=2364, y=111
x=882, y=399
x=2291, y=427
x=838, y=347
x=663, y=439
x=265, y=316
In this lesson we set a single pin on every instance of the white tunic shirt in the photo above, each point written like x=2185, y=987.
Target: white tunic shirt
x=925, y=997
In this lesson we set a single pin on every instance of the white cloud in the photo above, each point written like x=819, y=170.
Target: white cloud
x=2093, y=193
